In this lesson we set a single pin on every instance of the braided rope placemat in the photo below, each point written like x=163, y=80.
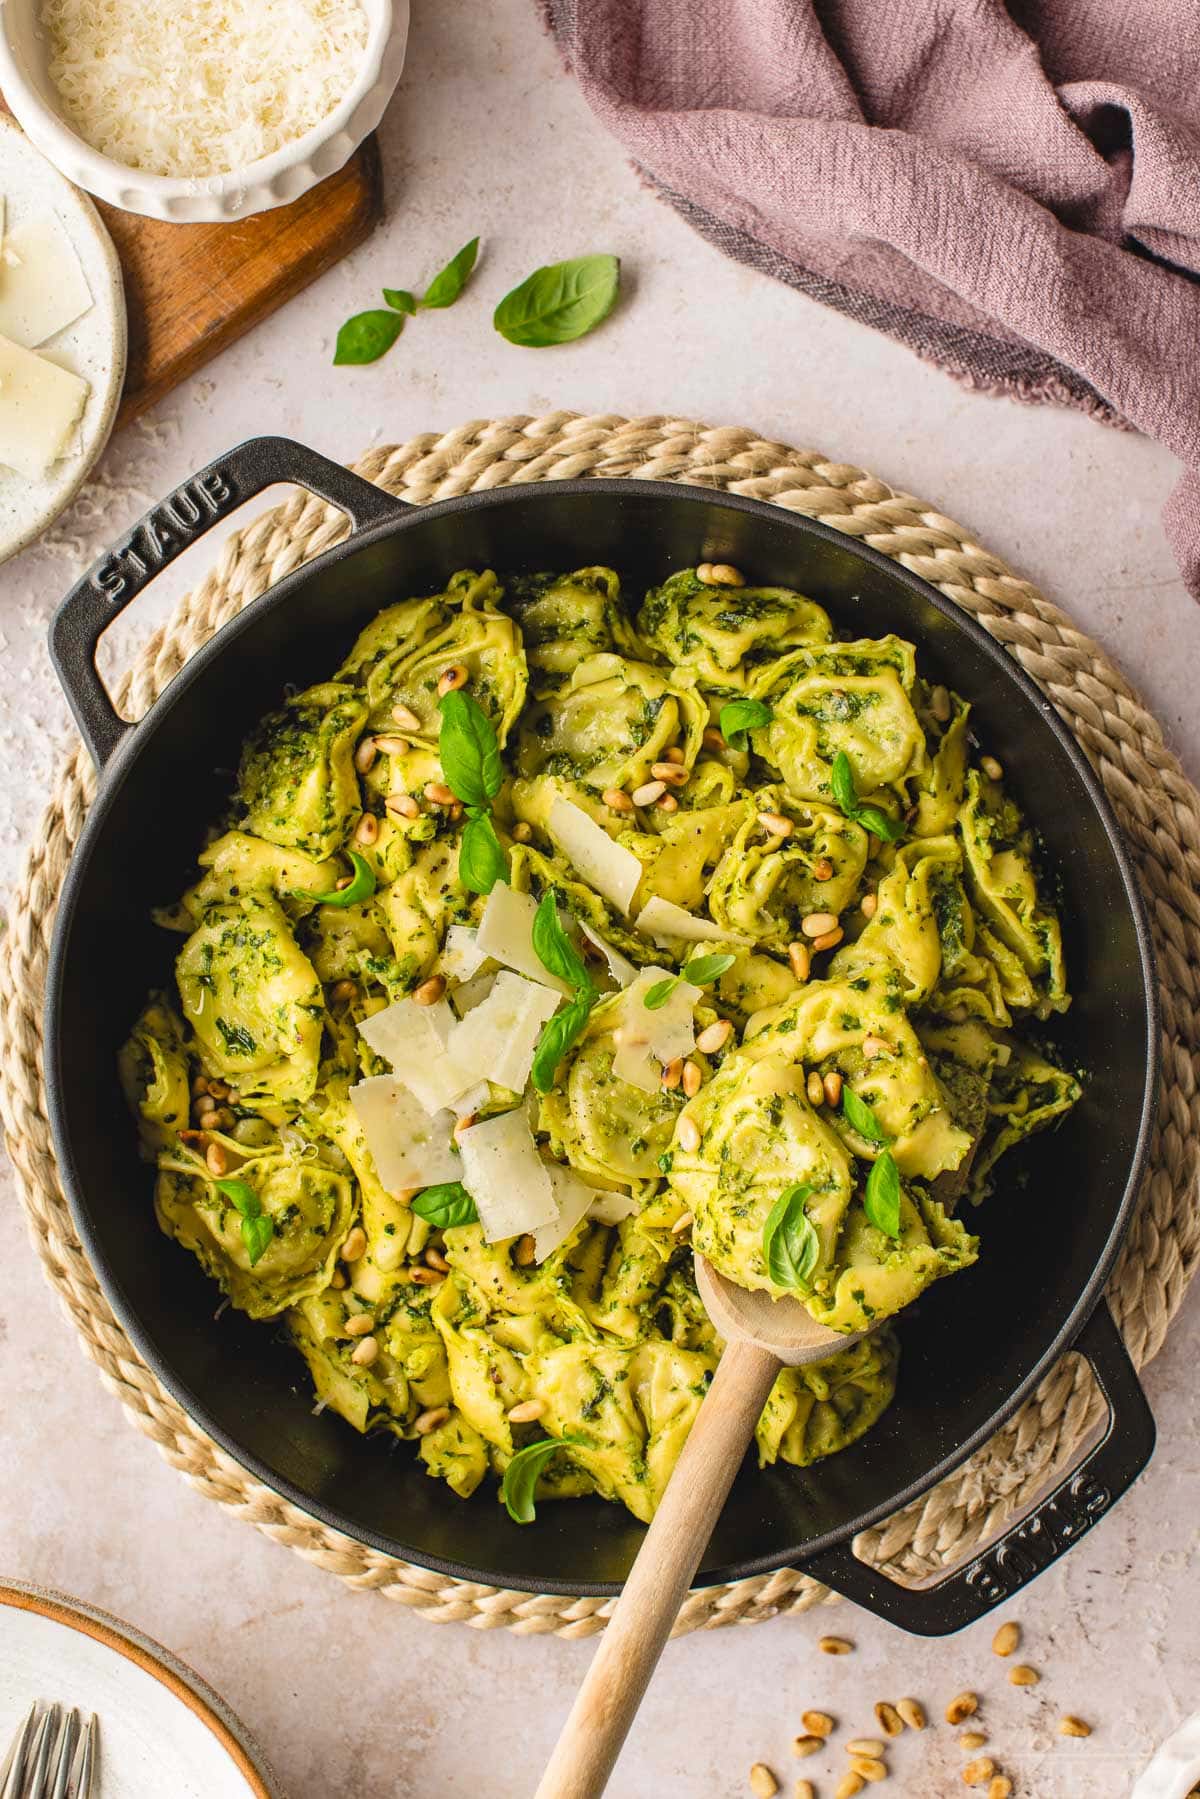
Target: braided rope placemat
x=1157, y=806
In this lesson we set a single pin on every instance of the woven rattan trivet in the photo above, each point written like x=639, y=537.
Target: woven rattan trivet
x=1157, y=806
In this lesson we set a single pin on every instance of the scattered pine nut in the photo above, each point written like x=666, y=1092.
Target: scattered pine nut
x=405, y=716
x=819, y=924
x=337, y=1279
x=832, y=1083
x=835, y=1645
x=674, y=754
x=720, y=574
x=522, y=832
x=805, y=1790
x=830, y=940
x=871, y=1747
x=361, y=1325
x=818, y=1724
x=438, y=794
x=617, y=800
x=870, y=1768
x=763, y=1783
x=887, y=1717
x=714, y=1037
x=217, y=1160
x=673, y=773
x=912, y=1711
x=427, y=1421
x=525, y=1251
x=365, y=754
x=1000, y=1788
x=1006, y=1639
x=713, y=740
x=1024, y=1676
x=775, y=824
x=810, y=1744
x=939, y=704
x=991, y=768
x=437, y=1260
x=689, y=1135
x=420, y=1276
x=365, y=1351
x=822, y=869
x=668, y=803
x=963, y=1706
x=971, y=1740
x=672, y=1074
x=976, y=1772
x=430, y=991
x=800, y=957
x=527, y=1411
x=814, y=1086
x=392, y=746
x=367, y=828
x=683, y=1223
x=648, y=792
x=869, y=905
x=403, y=805
x=692, y=1078
x=451, y=678
x=1071, y=1726
x=849, y=1785
x=875, y=1046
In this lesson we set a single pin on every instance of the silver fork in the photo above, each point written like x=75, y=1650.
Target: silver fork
x=52, y=1757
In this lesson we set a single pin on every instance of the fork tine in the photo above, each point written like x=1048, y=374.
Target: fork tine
x=84, y=1773
x=12, y=1774
x=40, y=1757
x=66, y=1754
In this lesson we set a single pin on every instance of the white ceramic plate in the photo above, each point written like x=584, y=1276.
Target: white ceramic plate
x=94, y=346
x=163, y=1732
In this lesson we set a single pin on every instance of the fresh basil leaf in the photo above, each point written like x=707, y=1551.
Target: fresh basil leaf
x=367, y=336
x=401, y=300
x=361, y=887
x=519, y=1485
x=554, y=948
x=845, y=793
x=790, y=1242
x=242, y=1196
x=559, y=303
x=482, y=858
x=701, y=971
x=657, y=996
x=741, y=716
x=891, y=830
x=468, y=750
x=257, y=1232
x=445, y=1206
x=558, y=1034
x=860, y=1117
x=446, y=286
x=881, y=1199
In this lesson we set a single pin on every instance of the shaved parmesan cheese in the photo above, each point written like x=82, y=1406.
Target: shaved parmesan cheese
x=414, y=1040
x=611, y=1208
x=573, y=1197
x=667, y=923
x=620, y=967
x=496, y=1041
x=410, y=1148
x=43, y=288
x=461, y=956
x=473, y=1100
x=651, y=1039
x=472, y=993
x=506, y=1177
x=506, y=935
x=607, y=866
x=40, y=405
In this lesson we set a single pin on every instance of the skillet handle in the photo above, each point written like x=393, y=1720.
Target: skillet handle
x=1040, y=1537
x=163, y=534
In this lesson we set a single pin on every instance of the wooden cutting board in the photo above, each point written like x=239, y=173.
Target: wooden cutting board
x=191, y=290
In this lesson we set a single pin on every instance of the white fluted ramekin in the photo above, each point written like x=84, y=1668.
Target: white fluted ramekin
x=272, y=181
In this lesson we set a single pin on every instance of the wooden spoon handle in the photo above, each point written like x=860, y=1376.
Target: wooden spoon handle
x=612, y=1690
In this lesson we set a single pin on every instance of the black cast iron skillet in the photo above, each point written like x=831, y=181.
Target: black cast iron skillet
x=974, y=1347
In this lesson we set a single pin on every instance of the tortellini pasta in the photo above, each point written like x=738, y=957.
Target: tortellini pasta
x=830, y=913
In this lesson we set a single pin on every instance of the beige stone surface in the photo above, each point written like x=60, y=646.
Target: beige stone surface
x=353, y=1697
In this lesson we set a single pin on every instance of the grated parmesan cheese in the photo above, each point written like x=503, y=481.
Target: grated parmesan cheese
x=200, y=87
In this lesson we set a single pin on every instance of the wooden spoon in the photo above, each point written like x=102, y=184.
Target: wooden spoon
x=761, y=1334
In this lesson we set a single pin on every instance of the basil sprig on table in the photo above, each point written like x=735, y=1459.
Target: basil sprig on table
x=257, y=1227
x=559, y=303
x=558, y=954
x=449, y=282
x=445, y=1205
x=470, y=756
x=360, y=887
x=790, y=1243
x=369, y=335
x=521, y=1477
x=881, y=1197
x=740, y=717
x=869, y=817
x=700, y=971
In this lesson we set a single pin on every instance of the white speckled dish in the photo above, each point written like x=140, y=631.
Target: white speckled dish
x=164, y=1734
x=94, y=346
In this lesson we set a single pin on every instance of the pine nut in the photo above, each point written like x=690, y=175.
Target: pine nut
x=868, y=905
x=199, y=1086
x=522, y=832
x=832, y=1084
x=875, y=1046
x=451, y=678
x=849, y=1785
x=430, y=991
x=972, y=1739
x=992, y=769
x=1071, y=1726
x=436, y=1259
x=524, y=1251
x=527, y=1411
x=355, y=1245
x=1024, y=1676
x=720, y=574
x=361, y=1325
x=337, y=1279
x=672, y=1074
x=689, y=1135
x=939, y=704
x=835, y=1645
x=714, y=1037
x=406, y=717
x=913, y=1713
x=683, y=1224
x=342, y=883
x=814, y=1086
x=1006, y=1639
x=822, y=869
x=217, y=1159
x=807, y=1745
x=775, y=824
x=420, y=1276
x=367, y=828
x=691, y=1079
x=365, y=1351
x=868, y=1746
x=364, y=755
x=648, y=793
x=392, y=746
x=817, y=1724
x=193, y=1139
x=670, y=772
x=763, y=1783
x=805, y=1790
x=800, y=957
x=674, y=754
x=668, y=803
x=403, y=805
x=830, y=940
x=617, y=800
x=427, y=1421
x=870, y=1767
x=1000, y=1788
x=819, y=924
x=454, y=812
x=964, y=1706
x=438, y=794
x=976, y=1772
x=713, y=739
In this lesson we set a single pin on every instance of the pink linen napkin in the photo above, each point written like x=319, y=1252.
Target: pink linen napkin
x=1014, y=192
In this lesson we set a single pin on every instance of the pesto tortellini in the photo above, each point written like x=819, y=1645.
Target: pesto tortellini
x=803, y=927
